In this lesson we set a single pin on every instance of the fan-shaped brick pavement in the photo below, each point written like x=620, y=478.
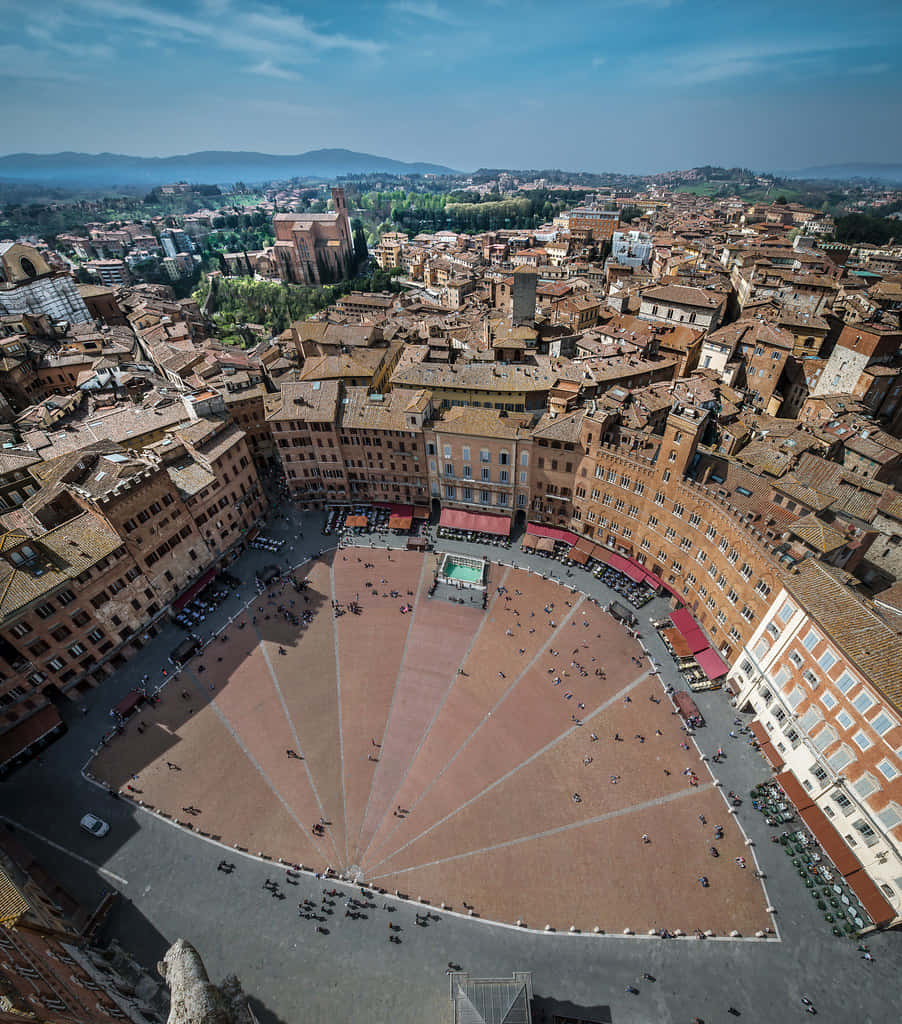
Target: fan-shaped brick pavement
x=487, y=759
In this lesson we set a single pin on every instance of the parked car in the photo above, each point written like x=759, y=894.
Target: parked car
x=96, y=826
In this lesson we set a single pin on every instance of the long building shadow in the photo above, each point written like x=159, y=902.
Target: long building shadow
x=552, y=1011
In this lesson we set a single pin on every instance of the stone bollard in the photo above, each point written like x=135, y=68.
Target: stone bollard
x=679, y=933
x=573, y=928
x=771, y=910
x=749, y=842
x=470, y=912
x=759, y=934
x=627, y=931
x=651, y=931
x=709, y=934
x=548, y=928
x=734, y=934
x=596, y=930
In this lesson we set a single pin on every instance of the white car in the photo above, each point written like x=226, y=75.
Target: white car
x=96, y=826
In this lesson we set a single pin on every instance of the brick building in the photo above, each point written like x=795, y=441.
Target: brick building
x=312, y=248
x=823, y=674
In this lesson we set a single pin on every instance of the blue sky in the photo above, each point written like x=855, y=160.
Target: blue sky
x=628, y=85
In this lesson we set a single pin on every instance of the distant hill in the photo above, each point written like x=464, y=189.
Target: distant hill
x=843, y=172
x=215, y=168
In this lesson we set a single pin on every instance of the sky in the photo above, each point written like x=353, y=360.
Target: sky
x=621, y=85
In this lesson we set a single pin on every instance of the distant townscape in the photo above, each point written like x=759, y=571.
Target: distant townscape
x=697, y=376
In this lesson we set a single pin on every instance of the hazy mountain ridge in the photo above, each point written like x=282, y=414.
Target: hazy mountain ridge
x=843, y=172
x=207, y=167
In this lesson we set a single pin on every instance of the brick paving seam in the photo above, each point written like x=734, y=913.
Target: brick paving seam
x=413, y=615
x=248, y=754
x=297, y=740
x=488, y=715
x=341, y=742
x=432, y=722
x=658, y=801
x=532, y=757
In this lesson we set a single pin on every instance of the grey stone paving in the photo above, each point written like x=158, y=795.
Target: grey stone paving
x=171, y=888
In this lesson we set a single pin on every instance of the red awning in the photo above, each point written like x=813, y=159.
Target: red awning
x=871, y=897
x=193, y=590
x=579, y=555
x=831, y=841
x=760, y=733
x=539, y=530
x=484, y=522
x=711, y=663
x=17, y=740
x=696, y=639
x=677, y=641
x=794, y=791
x=635, y=572
x=128, y=703
x=402, y=510
x=773, y=755
x=617, y=562
x=683, y=620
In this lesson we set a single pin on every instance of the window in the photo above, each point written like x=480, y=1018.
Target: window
x=465, y=453
x=862, y=741
x=524, y=458
x=485, y=455
x=449, y=493
x=865, y=786
x=888, y=770
x=843, y=801
x=882, y=723
x=828, y=700
x=762, y=588
x=827, y=660
x=818, y=773
x=503, y=458
x=889, y=816
x=449, y=469
x=486, y=473
x=45, y=610
x=845, y=682
x=811, y=639
x=65, y=597
x=869, y=835
x=863, y=702
x=845, y=720
x=785, y=613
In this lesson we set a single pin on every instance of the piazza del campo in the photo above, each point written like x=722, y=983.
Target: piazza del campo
x=470, y=597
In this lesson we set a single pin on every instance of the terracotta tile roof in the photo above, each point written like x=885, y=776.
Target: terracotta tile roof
x=72, y=547
x=817, y=534
x=851, y=624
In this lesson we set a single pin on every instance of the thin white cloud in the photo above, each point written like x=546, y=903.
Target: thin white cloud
x=717, y=63
x=598, y=62
x=257, y=31
x=428, y=9
x=270, y=70
x=871, y=69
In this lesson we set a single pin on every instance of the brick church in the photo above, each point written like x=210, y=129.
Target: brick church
x=311, y=248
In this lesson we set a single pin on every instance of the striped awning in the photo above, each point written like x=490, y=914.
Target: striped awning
x=12, y=903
